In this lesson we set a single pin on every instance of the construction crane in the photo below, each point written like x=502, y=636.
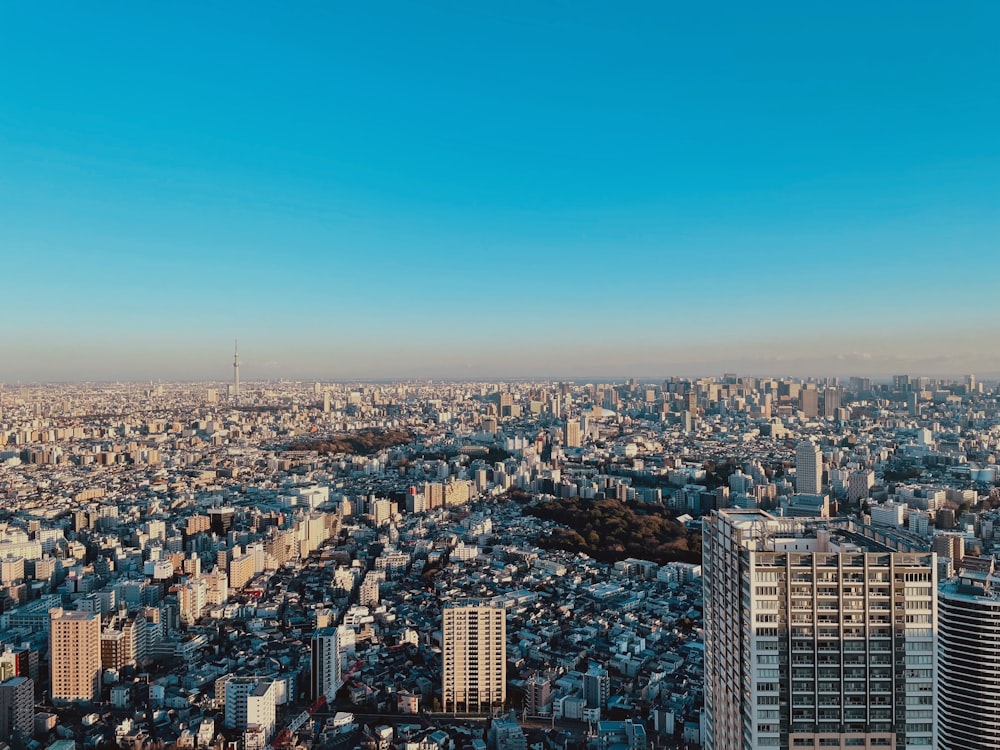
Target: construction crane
x=285, y=735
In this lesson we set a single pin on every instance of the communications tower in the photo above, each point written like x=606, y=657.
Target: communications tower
x=236, y=372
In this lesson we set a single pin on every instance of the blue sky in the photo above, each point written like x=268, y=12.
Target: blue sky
x=485, y=189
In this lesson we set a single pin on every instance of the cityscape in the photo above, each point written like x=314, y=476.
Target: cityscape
x=745, y=562
x=452, y=375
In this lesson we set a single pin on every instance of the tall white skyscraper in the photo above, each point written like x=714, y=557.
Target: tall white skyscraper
x=808, y=468
x=474, y=669
x=969, y=664
x=815, y=636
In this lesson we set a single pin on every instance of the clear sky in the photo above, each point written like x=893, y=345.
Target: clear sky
x=471, y=189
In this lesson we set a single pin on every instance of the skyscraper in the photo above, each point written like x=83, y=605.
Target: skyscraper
x=831, y=402
x=816, y=636
x=571, y=438
x=326, y=680
x=808, y=468
x=969, y=660
x=75, y=655
x=809, y=401
x=474, y=669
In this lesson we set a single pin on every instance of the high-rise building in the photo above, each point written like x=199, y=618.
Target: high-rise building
x=192, y=597
x=969, y=660
x=474, y=669
x=831, y=402
x=816, y=636
x=241, y=570
x=326, y=679
x=249, y=702
x=859, y=485
x=506, y=405
x=17, y=707
x=75, y=655
x=596, y=688
x=808, y=468
x=809, y=401
x=572, y=433
x=221, y=520
x=950, y=545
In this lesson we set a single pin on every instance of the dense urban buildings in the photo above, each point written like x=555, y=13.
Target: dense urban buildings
x=373, y=564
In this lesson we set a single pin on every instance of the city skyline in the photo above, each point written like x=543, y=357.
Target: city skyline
x=49, y=367
x=533, y=191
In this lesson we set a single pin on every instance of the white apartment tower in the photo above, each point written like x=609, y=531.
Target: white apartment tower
x=808, y=468
x=474, y=669
x=249, y=702
x=815, y=636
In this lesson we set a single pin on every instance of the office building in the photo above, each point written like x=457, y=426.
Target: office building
x=859, y=485
x=474, y=669
x=221, y=520
x=969, y=660
x=831, y=402
x=816, y=636
x=808, y=468
x=809, y=401
x=75, y=655
x=326, y=680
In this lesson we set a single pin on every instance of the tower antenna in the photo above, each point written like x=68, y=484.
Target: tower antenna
x=236, y=372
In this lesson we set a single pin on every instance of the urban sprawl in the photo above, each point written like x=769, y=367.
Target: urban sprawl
x=724, y=562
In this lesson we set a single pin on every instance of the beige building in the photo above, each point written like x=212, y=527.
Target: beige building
x=816, y=636
x=241, y=570
x=75, y=655
x=474, y=669
x=571, y=436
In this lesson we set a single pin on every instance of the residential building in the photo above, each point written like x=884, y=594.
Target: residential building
x=969, y=661
x=75, y=655
x=17, y=706
x=474, y=669
x=816, y=636
x=326, y=679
